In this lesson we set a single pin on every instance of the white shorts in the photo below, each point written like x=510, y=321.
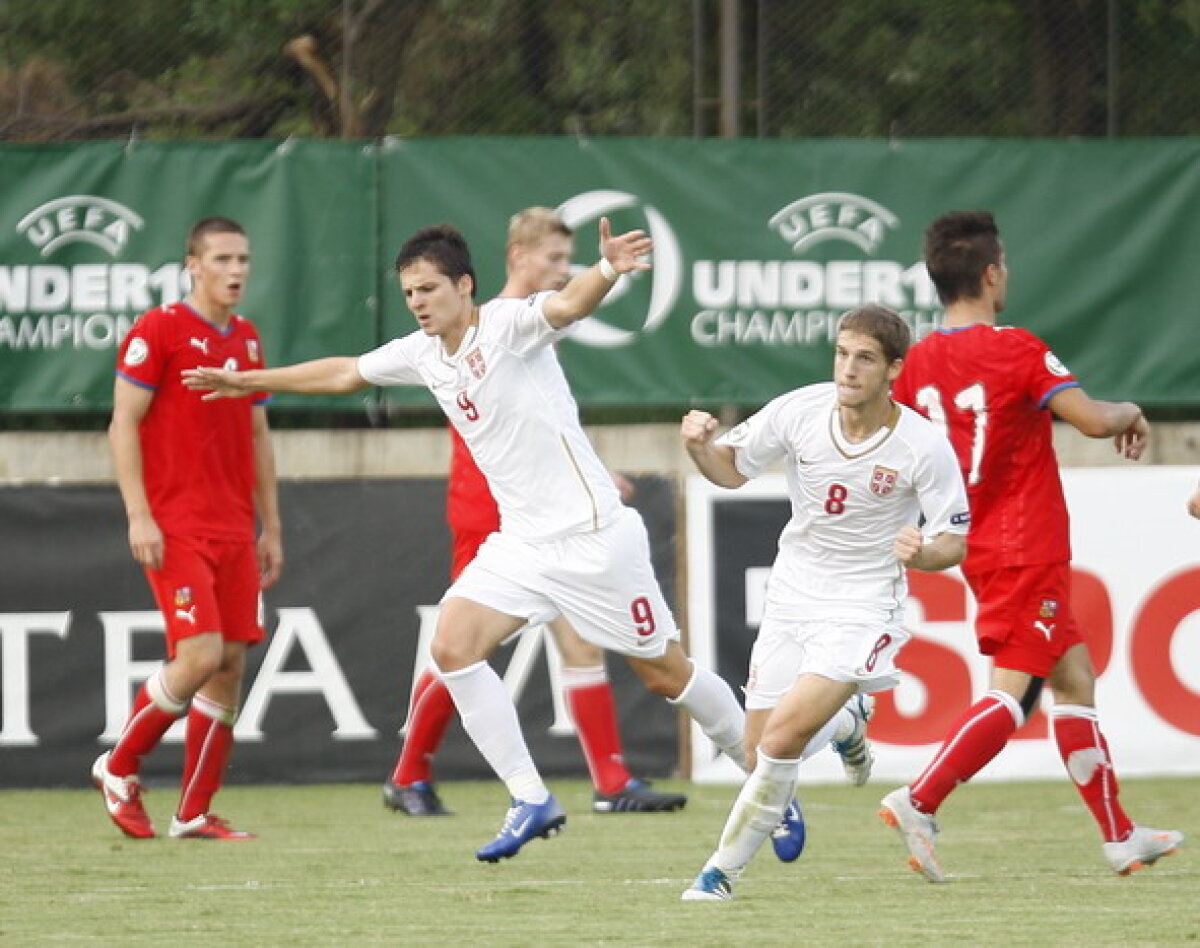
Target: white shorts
x=862, y=653
x=603, y=582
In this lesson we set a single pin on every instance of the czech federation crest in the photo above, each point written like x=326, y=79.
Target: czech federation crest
x=476, y=364
x=883, y=480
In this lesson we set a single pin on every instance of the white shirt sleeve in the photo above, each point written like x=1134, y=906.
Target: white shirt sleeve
x=393, y=363
x=760, y=441
x=940, y=489
x=524, y=326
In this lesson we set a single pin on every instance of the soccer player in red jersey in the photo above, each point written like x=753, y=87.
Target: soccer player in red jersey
x=194, y=476
x=993, y=390
x=538, y=258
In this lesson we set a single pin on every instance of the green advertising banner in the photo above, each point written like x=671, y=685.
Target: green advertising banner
x=759, y=247
x=93, y=235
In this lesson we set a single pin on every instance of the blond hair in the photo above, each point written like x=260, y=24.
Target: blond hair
x=529, y=226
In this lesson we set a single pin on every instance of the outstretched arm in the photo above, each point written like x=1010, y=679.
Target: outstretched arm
x=334, y=376
x=583, y=294
x=714, y=461
x=1121, y=421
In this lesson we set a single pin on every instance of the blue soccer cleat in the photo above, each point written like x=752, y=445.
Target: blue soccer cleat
x=524, y=821
x=712, y=885
x=788, y=837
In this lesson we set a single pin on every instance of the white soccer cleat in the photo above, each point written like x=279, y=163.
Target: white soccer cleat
x=918, y=830
x=1144, y=847
x=854, y=748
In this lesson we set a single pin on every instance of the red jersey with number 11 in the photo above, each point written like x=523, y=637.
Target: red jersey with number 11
x=987, y=388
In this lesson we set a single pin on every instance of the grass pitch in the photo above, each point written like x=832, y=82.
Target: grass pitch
x=333, y=867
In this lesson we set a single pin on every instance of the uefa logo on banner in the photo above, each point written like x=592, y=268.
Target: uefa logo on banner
x=80, y=218
x=77, y=291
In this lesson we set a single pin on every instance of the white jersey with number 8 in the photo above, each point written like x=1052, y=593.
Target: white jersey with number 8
x=849, y=501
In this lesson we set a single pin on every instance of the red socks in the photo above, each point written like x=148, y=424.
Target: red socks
x=595, y=715
x=206, y=752
x=154, y=711
x=429, y=716
x=1085, y=754
x=981, y=733
x=978, y=736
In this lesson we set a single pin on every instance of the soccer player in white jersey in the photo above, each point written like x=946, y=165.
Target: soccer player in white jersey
x=566, y=542
x=862, y=472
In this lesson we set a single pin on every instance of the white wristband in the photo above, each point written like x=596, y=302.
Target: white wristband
x=608, y=271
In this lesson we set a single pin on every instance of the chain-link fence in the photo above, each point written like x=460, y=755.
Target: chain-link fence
x=78, y=69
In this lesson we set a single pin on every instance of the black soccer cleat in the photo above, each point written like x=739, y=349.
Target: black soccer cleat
x=637, y=797
x=415, y=799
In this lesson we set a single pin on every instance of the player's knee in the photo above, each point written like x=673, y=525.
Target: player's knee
x=667, y=676
x=451, y=653
x=780, y=745
x=194, y=666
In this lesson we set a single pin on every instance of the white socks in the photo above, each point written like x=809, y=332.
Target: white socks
x=756, y=812
x=490, y=719
x=712, y=705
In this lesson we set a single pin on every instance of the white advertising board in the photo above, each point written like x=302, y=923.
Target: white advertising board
x=1136, y=595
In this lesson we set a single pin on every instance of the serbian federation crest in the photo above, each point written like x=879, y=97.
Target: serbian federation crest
x=883, y=480
x=476, y=364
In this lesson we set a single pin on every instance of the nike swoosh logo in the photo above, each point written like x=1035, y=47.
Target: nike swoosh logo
x=521, y=827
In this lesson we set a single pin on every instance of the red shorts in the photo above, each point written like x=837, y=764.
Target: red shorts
x=1024, y=621
x=466, y=545
x=208, y=586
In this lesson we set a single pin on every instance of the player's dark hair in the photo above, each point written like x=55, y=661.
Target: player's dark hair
x=444, y=247
x=959, y=246
x=210, y=225
x=882, y=325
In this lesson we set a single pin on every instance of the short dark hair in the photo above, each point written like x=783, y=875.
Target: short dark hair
x=959, y=246
x=881, y=324
x=210, y=225
x=444, y=247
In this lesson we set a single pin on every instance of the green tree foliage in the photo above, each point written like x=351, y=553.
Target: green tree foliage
x=366, y=68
